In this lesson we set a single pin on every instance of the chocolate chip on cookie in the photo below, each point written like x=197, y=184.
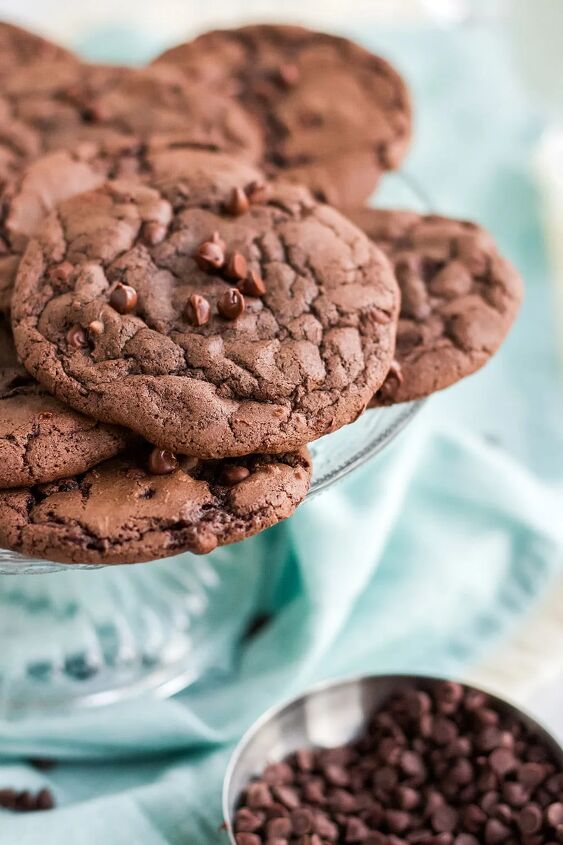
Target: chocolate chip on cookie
x=298, y=356
x=131, y=509
x=459, y=298
x=41, y=439
x=333, y=116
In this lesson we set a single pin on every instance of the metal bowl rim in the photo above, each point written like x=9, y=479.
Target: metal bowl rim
x=351, y=680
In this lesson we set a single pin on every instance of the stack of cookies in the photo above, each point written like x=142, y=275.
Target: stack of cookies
x=182, y=306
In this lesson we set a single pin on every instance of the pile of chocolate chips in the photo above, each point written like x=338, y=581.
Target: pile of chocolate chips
x=437, y=766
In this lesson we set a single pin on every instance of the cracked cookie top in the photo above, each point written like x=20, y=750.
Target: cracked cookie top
x=459, y=298
x=213, y=315
x=41, y=439
x=65, y=127
x=333, y=115
x=122, y=512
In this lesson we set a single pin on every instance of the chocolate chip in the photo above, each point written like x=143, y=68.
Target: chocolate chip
x=529, y=819
x=288, y=74
x=231, y=304
x=197, y=310
x=247, y=821
x=237, y=267
x=238, y=203
x=555, y=814
x=153, y=233
x=252, y=285
x=210, y=255
x=162, y=462
x=24, y=801
x=77, y=338
x=123, y=298
x=502, y=761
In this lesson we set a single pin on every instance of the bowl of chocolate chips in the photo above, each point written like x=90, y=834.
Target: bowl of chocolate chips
x=395, y=760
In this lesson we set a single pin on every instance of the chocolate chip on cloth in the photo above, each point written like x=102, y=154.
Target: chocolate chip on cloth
x=19, y=48
x=144, y=507
x=434, y=767
x=459, y=298
x=333, y=116
x=256, y=371
x=41, y=439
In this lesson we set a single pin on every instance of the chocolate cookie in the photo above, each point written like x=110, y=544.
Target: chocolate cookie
x=40, y=439
x=333, y=115
x=121, y=512
x=459, y=298
x=99, y=121
x=214, y=317
x=19, y=48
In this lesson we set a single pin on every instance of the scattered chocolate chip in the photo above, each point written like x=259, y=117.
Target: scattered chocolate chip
x=231, y=304
x=210, y=255
x=252, y=285
x=24, y=801
x=153, y=233
x=42, y=764
x=77, y=338
x=123, y=298
x=232, y=475
x=197, y=310
x=238, y=203
x=237, y=266
x=162, y=462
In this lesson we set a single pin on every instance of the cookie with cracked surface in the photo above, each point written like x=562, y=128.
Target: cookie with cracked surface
x=67, y=127
x=333, y=115
x=229, y=333
x=19, y=48
x=41, y=439
x=459, y=298
x=122, y=512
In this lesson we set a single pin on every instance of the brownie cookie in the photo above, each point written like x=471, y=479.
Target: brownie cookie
x=134, y=509
x=333, y=115
x=49, y=106
x=459, y=298
x=40, y=439
x=212, y=319
x=19, y=48
x=103, y=118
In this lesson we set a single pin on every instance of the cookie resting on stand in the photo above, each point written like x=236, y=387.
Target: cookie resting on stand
x=139, y=508
x=459, y=298
x=245, y=326
x=333, y=115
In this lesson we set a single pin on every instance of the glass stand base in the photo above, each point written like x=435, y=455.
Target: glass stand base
x=81, y=638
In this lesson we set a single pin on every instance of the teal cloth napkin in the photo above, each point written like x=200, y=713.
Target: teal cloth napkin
x=421, y=561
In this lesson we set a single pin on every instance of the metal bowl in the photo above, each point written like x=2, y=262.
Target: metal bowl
x=328, y=715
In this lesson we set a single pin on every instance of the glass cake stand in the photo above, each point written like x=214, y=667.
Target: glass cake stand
x=82, y=636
